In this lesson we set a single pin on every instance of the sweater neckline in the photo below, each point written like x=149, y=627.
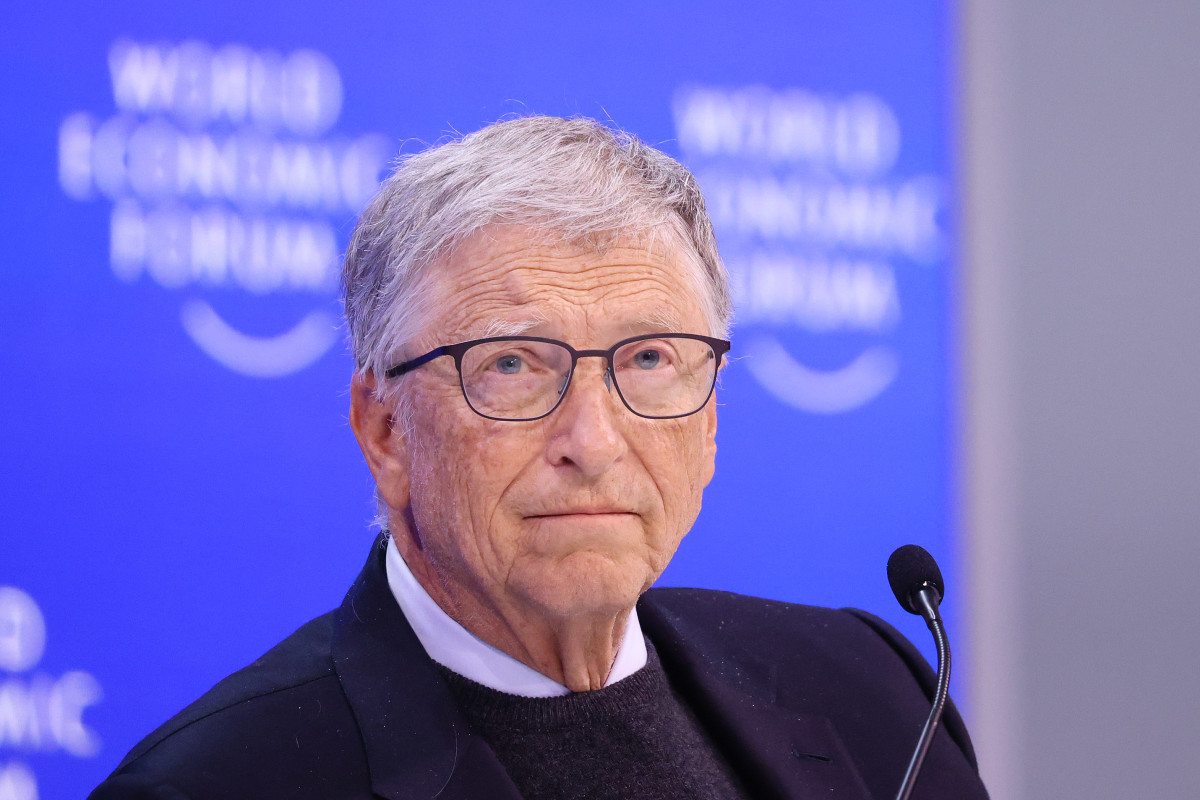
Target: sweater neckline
x=644, y=689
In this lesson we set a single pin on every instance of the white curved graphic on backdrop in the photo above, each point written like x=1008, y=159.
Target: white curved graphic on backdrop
x=259, y=357
x=819, y=391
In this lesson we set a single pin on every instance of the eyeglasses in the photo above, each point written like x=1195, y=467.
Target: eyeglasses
x=521, y=378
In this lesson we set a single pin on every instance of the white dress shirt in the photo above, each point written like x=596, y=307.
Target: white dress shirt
x=457, y=649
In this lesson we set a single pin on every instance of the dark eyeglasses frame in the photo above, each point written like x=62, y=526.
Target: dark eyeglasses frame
x=719, y=347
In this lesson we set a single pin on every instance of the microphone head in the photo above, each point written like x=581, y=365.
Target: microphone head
x=910, y=569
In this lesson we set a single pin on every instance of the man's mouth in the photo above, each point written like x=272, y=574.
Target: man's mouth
x=582, y=512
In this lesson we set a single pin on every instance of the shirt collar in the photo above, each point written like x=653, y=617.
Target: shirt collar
x=454, y=647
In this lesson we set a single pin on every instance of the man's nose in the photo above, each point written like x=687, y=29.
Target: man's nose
x=585, y=429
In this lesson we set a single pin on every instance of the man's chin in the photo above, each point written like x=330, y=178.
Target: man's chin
x=583, y=584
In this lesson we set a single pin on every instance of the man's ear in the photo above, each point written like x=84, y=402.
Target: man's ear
x=381, y=439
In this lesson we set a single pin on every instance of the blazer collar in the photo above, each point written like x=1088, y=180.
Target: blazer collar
x=778, y=752
x=417, y=743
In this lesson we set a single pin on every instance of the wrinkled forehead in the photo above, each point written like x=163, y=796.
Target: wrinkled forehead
x=509, y=280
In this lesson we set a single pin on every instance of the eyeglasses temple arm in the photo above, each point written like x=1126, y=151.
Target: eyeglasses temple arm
x=409, y=366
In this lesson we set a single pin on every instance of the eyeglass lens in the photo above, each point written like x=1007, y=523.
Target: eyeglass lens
x=520, y=380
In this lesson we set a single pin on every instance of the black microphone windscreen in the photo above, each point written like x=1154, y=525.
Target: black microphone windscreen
x=909, y=568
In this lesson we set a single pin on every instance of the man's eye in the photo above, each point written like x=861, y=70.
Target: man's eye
x=509, y=365
x=647, y=359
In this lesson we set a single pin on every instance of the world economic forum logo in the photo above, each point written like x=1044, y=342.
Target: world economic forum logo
x=41, y=714
x=816, y=225
x=225, y=173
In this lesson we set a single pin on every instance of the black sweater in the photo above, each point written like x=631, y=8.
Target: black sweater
x=633, y=740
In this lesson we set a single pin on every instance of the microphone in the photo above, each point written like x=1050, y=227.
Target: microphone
x=917, y=583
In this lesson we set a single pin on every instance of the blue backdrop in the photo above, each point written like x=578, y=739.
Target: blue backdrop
x=177, y=186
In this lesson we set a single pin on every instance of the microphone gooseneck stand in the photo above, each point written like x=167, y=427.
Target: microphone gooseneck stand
x=917, y=583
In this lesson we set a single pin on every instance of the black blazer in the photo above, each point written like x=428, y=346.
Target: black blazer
x=804, y=702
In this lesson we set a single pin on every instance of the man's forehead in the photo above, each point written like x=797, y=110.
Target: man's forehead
x=519, y=324
x=509, y=282
x=524, y=249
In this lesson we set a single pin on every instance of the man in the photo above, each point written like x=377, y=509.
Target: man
x=538, y=314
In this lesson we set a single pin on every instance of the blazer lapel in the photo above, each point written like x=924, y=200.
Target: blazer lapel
x=778, y=753
x=417, y=743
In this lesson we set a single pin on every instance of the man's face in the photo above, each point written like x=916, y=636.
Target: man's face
x=576, y=513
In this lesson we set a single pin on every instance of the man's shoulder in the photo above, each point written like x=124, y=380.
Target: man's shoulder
x=835, y=641
x=686, y=599
x=743, y=617
x=284, y=707
x=823, y=658
x=298, y=660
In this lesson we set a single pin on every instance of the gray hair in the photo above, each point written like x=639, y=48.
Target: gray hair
x=575, y=178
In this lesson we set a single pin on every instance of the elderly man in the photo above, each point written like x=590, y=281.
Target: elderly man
x=538, y=314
